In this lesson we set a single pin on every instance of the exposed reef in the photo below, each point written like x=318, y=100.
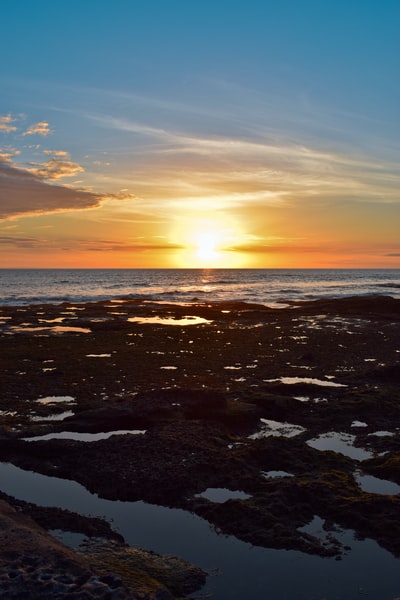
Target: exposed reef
x=310, y=390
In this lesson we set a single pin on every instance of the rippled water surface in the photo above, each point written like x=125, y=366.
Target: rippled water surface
x=25, y=286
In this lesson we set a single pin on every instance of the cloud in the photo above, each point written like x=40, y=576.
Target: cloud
x=59, y=153
x=45, y=244
x=287, y=248
x=19, y=242
x=250, y=166
x=7, y=154
x=40, y=128
x=24, y=193
x=55, y=169
x=113, y=246
x=6, y=124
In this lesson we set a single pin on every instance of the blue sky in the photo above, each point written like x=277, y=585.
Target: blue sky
x=132, y=129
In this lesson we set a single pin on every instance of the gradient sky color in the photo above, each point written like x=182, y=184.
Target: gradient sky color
x=188, y=133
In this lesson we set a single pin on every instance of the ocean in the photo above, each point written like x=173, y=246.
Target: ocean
x=264, y=286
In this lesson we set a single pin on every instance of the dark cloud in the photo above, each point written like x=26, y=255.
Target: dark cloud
x=24, y=193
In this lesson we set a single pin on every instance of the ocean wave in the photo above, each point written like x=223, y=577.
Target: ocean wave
x=289, y=291
x=222, y=282
x=389, y=285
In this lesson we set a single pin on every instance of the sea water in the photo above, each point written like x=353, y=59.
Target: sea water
x=265, y=286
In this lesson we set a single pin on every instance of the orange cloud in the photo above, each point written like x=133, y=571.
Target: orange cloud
x=5, y=124
x=6, y=155
x=56, y=169
x=59, y=153
x=40, y=128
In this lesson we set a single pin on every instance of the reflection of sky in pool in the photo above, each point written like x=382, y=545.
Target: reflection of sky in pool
x=312, y=380
x=220, y=495
x=83, y=437
x=271, y=428
x=339, y=442
x=50, y=330
x=55, y=399
x=189, y=320
x=243, y=571
x=373, y=485
x=276, y=474
x=54, y=417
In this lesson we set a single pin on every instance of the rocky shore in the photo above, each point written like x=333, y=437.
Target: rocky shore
x=225, y=395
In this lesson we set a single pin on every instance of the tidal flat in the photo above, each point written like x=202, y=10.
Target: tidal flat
x=151, y=404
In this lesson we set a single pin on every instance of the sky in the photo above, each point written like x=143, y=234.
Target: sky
x=200, y=133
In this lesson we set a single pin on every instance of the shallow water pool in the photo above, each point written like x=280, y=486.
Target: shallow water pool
x=240, y=570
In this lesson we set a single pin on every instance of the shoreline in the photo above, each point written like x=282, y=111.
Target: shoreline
x=214, y=391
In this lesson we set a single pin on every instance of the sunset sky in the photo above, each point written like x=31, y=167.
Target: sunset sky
x=200, y=133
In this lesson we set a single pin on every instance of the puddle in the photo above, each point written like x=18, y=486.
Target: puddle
x=56, y=320
x=83, y=437
x=220, y=495
x=232, y=368
x=276, y=474
x=56, y=399
x=54, y=417
x=98, y=355
x=277, y=429
x=382, y=434
x=50, y=330
x=169, y=368
x=293, y=380
x=179, y=533
x=169, y=320
x=374, y=485
x=309, y=399
x=339, y=442
x=359, y=424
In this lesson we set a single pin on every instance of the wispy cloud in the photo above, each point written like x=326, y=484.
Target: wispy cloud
x=20, y=242
x=80, y=245
x=139, y=246
x=268, y=167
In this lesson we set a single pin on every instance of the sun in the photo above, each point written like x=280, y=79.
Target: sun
x=207, y=243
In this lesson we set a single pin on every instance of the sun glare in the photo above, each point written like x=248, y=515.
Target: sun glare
x=208, y=243
x=206, y=246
